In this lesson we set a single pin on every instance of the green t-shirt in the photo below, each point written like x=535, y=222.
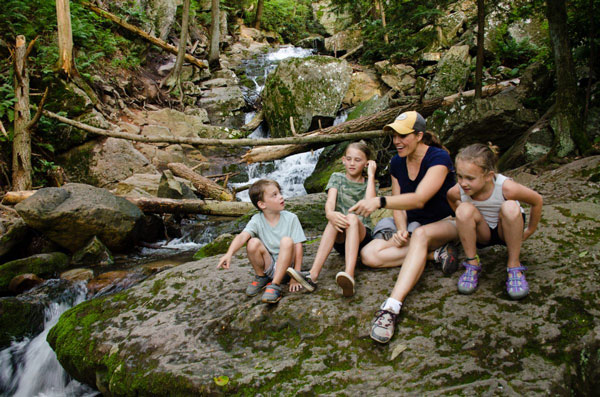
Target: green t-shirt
x=348, y=192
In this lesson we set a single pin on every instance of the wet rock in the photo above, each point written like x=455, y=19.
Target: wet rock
x=218, y=246
x=42, y=265
x=20, y=318
x=71, y=215
x=330, y=161
x=452, y=73
x=24, y=282
x=12, y=231
x=320, y=340
x=75, y=275
x=95, y=253
x=303, y=88
x=105, y=162
x=112, y=281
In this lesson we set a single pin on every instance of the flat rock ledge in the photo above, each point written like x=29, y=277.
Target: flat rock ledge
x=177, y=331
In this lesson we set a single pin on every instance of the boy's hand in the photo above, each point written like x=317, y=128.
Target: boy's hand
x=339, y=221
x=224, y=262
x=400, y=238
x=371, y=168
x=295, y=286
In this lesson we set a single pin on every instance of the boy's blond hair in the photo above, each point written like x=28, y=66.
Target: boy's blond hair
x=257, y=190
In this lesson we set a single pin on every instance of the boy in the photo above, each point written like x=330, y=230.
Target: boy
x=274, y=238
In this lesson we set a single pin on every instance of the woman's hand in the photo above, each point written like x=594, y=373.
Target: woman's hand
x=365, y=207
x=338, y=220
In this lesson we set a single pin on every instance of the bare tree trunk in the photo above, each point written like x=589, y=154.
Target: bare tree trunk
x=21, y=159
x=480, y=47
x=259, y=12
x=65, y=37
x=379, y=4
x=174, y=78
x=569, y=130
x=215, y=35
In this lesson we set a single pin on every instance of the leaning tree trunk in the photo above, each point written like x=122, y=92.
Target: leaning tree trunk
x=174, y=78
x=259, y=12
x=569, y=130
x=480, y=47
x=65, y=37
x=215, y=35
x=21, y=161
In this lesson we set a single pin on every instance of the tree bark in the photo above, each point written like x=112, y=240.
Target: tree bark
x=569, y=130
x=215, y=35
x=255, y=122
x=379, y=4
x=205, y=186
x=21, y=159
x=158, y=205
x=480, y=47
x=175, y=75
x=65, y=37
x=375, y=121
x=259, y=12
x=154, y=40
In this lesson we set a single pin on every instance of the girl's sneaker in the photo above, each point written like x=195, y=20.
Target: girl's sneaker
x=346, y=283
x=468, y=281
x=516, y=285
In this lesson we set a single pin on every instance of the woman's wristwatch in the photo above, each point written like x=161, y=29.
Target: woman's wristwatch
x=382, y=202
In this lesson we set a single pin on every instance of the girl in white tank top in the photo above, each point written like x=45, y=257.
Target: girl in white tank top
x=488, y=213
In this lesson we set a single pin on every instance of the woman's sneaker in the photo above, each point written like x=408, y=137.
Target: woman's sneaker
x=447, y=256
x=272, y=293
x=257, y=285
x=303, y=277
x=382, y=328
x=346, y=283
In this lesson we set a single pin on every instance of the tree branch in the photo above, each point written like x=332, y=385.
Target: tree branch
x=38, y=113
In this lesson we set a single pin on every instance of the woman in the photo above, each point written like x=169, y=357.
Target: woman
x=422, y=172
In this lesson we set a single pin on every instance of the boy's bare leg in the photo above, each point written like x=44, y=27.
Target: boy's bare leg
x=423, y=238
x=329, y=236
x=258, y=256
x=284, y=260
x=355, y=233
x=471, y=228
x=510, y=229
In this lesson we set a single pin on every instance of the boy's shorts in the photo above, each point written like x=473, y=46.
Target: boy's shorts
x=270, y=271
x=495, y=236
x=341, y=247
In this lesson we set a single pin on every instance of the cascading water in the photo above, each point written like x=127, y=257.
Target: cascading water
x=30, y=368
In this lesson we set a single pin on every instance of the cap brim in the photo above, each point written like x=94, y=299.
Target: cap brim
x=399, y=128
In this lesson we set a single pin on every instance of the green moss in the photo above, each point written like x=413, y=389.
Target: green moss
x=157, y=286
x=42, y=265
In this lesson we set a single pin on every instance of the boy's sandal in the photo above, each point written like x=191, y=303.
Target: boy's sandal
x=469, y=280
x=516, y=285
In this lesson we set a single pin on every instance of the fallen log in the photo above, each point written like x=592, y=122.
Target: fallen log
x=205, y=186
x=154, y=40
x=372, y=122
x=158, y=205
x=255, y=122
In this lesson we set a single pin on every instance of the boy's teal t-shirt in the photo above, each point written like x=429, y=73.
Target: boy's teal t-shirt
x=288, y=226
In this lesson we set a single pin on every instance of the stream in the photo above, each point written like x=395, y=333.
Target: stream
x=29, y=367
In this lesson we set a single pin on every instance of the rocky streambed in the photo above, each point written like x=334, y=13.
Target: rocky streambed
x=191, y=330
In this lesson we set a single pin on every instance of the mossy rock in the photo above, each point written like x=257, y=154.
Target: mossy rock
x=95, y=253
x=330, y=161
x=20, y=319
x=42, y=265
x=218, y=246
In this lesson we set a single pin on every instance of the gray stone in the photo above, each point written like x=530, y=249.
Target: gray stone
x=344, y=41
x=71, y=215
x=363, y=86
x=452, y=74
x=303, y=88
x=162, y=15
x=95, y=253
x=171, y=117
x=319, y=341
x=398, y=77
x=224, y=105
x=145, y=185
x=169, y=187
x=332, y=21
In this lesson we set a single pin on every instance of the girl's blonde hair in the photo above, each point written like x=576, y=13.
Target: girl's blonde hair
x=484, y=156
x=363, y=147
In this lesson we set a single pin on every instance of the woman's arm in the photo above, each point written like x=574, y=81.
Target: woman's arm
x=428, y=187
x=515, y=191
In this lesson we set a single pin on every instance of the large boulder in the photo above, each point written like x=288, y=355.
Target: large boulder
x=42, y=265
x=224, y=105
x=20, y=318
x=401, y=78
x=484, y=344
x=162, y=15
x=452, y=73
x=12, y=231
x=144, y=185
x=104, y=163
x=303, y=88
x=332, y=20
x=363, y=86
x=499, y=119
x=71, y=215
x=344, y=41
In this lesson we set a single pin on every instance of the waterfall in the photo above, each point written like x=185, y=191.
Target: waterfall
x=30, y=368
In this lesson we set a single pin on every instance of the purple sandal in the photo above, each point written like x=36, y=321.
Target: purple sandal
x=516, y=285
x=467, y=283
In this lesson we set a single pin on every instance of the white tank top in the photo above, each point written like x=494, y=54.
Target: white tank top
x=490, y=208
